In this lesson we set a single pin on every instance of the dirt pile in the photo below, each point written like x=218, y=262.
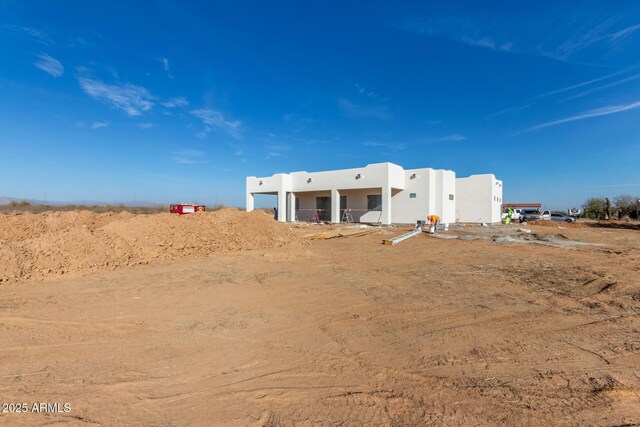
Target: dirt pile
x=81, y=241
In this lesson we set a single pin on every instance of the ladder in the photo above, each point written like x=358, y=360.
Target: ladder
x=347, y=217
x=316, y=216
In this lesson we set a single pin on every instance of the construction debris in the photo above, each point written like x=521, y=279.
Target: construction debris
x=402, y=238
x=337, y=234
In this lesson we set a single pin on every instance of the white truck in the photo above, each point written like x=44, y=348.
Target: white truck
x=515, y=217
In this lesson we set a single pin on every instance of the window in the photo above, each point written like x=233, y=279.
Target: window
x=343, y=202
x=412, y=195
x=450, y=196
x=374, y=202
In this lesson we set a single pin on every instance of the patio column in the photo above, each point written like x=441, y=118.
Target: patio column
x=386, y=205
x=250, y=200
x=282, y=206
x=291, y=207
x=335, y=206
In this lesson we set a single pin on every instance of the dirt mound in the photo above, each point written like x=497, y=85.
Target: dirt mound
x=82, y=241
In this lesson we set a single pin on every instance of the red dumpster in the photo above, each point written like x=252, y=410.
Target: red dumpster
x=183, y=209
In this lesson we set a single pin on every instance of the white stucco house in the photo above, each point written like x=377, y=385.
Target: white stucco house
x=380, y=193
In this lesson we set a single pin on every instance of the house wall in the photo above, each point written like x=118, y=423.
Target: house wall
x=448, y=196
x=432, y=189
x=496, y=208
x=479, y=199
x=474, y=199
x=307, y=204
x=377, y=175
x=357, y=203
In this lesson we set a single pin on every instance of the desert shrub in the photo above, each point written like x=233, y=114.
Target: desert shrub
x=595, y=207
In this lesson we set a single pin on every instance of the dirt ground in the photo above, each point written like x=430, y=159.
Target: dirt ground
x=343, y=332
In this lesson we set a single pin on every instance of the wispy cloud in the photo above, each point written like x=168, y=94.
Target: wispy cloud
x=215, y=119
x=49, y=65
x=278, y=149
x=166, y=67
x=29, y=32
x=189, y=157
x=459, y=28
x=603, y=87
x=624, y=32
x=145, y=125
x=366, y=92
x=131, y=99
x=585, y=83
x=454, y=137
x=399, y=146
x=353, y=110
x=598, y=112
x=594, y=33
x=603, y=33
x=179, y=101
x=488, y=43
x=99, y=125
x=539, y=98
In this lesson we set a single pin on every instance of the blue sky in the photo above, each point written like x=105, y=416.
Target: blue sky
x=179, y=101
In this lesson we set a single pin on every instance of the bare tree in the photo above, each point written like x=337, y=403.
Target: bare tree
x=625, y=205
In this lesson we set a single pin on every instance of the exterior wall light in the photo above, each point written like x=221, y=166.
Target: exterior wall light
x=358, y=176
x=260, y=183
x=308, y=180
x=413, y=176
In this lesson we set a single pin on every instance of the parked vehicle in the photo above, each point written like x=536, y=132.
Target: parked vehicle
x=561, y=217
x=546, y=215
x=575, y=212
x=530, y=215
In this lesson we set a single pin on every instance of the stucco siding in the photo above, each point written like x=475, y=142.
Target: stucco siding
x=479, y=199
x=406, y=196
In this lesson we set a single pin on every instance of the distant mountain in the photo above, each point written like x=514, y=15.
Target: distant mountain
x=139, y=203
